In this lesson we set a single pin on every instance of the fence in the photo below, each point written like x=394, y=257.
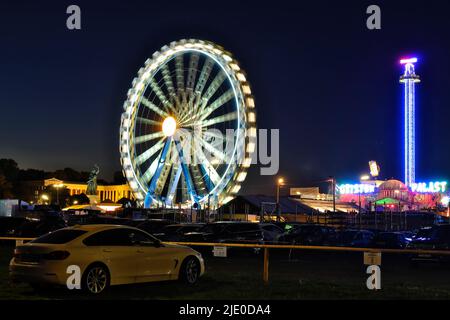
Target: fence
x=383, y=221
x=267, y=247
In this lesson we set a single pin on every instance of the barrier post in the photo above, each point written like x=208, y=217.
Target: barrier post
x=266, y=266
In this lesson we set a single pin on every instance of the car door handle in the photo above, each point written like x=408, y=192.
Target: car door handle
x=140, y=251
x=106, y=250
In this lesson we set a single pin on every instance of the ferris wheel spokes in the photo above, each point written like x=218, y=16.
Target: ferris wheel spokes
x=140, y=159
x=204, y=76
x=154, y=108
x=219, y=119
x=148, y=137
x=148, y=121
x=215, y=84
x=192, y=72
x=168, y=81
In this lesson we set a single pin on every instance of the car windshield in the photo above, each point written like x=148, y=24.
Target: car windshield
x=59, y=236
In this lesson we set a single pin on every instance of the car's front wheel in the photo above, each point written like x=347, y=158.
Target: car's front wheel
x=95, y=279
x=190, y=270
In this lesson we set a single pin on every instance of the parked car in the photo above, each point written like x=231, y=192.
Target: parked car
x=8, y=225
x=431, y=238
x=106, y=255
x=241, y=232
x=356, y=238
x=37, y=227
x=100, y=219
x=390, y=240
x=152, y=226
x=310, y=234
x=286, y=225
x=176, y=232
x=271, y=232
x=229, y=232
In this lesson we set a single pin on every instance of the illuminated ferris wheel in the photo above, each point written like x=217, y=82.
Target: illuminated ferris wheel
x=187, y=132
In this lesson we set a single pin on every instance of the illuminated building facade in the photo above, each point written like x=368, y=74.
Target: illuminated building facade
x=105, y=192
x=36, y=189
x=409, y=80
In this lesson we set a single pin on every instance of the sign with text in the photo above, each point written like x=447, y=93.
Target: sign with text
x=372, y=258
x=220, y=252
x=359, y=188
x=429, y=187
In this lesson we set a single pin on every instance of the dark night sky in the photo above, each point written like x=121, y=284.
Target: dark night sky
x=318, y=74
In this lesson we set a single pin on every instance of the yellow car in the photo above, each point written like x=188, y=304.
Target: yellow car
x=102, y=255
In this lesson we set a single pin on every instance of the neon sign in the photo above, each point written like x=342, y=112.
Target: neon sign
x=429, y=187
x=356, y=188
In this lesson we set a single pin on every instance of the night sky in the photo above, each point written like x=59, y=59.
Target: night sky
x=317, y=73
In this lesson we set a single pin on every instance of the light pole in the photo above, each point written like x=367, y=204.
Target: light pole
x=362, y=178
x=279, y=184
x=58, y=186
x=45, y=198
x=333, y=190
x=359, y=201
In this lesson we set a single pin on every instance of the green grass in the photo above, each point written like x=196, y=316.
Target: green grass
x=310, y=276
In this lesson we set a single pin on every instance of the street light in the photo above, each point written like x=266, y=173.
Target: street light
x=45, y=198
x=57, y=186
x=359, y=202
x=280, y=182
x=333, y=190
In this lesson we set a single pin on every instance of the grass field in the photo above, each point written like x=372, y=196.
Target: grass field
x=306, y=276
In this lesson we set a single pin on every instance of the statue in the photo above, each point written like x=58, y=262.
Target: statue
x=92, y=182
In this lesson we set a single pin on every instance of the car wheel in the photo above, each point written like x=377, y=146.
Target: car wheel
x=95, y=279
x=190, y=270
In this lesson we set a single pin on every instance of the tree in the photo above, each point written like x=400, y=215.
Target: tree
x=125, y=202
x=5, y=188
x=77, y=199
x=10, y=169
x=31, y=175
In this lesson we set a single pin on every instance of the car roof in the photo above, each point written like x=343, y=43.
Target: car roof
x=225, y=222
x=98, y=227
x=186, y=225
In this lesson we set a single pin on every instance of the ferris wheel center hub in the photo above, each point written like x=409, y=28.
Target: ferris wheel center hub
x=169, y=126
